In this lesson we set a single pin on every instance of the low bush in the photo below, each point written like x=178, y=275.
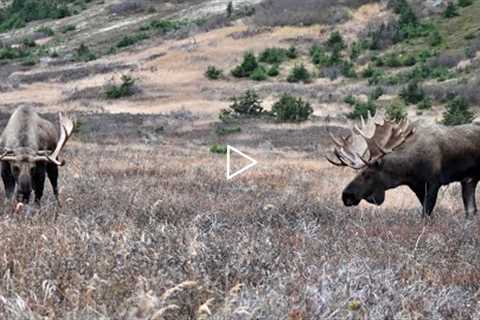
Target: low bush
x=299, y=74
x=9, y=53
x=457, y=112
x=348, y=69
x=465, y=3
x=83, y=53
x=335, y=41
x=292, y=52
x=125, y=89
x=164, y=26
x=16, y=14
x=249, y=103
x=218, y=148
x=413, y=93
x=223, y=130
x=246, y=68
x=127, y=40
x=213, y=73
x=274, y=70
x=46, y=31
x=376, y=93
x=273, y=55
x=425, y=104
x=290, y=108
x=451, y=10
x=259, y=74
x=435, y=38
x=362, y=109
x=68, y=28
x=319, y=56
x=396, y=111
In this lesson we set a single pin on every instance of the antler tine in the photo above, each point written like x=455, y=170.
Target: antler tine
x=66, y=129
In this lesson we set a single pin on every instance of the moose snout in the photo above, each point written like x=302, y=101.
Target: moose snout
x=350, y=199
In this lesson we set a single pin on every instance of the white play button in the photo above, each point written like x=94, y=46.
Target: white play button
x=245, y=168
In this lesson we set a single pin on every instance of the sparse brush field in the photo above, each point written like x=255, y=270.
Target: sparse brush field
x=156, y=232
x=151, y=229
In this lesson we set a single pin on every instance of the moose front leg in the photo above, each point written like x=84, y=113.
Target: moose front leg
x=468, y=195
x=8, y=180
x=427, y=195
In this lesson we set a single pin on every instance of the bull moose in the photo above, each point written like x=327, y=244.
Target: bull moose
x=422, y=157
x=31, y=146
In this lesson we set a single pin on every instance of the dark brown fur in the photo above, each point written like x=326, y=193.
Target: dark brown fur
x=433, y=157
x=27, y=133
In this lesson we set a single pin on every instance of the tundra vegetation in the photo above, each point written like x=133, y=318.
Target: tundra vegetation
x=150, y=229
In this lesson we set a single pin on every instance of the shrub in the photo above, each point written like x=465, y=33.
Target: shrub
x=356, y=49
x=413, y=93
x=8, y=53
x=299, y=74
x=335, y=57
x=213, y=73
x=29, y=42
x=348, y=70
x=218, y=148
x=377, y=76
x=425, y=104
x=247, y=104
x=165, y=26
x=46, y=31
x=450, y=11
x=68, y=28
x=457, y=112
x=435, y=38
x=319, y=57
x=30, y=61
x=125, y=89
x=83, y=53
x=248, y=65
x=392, y=60
x=18, y=13
x=127, y=40
x=465, y=3
x=273, y=55
x=289, y=108
x=350, y=100
x=335, y=41
x=259, y=74
x=376, y=93
x=363, y=109
x=229, y=9
x=368, y=71
x=292, y=52
x=396, y=111
x=222, y=130
x=274, y=70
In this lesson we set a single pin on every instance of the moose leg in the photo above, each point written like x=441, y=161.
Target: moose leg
x=468, y=195
x=427, y=195
x=52, y=172
x=8, y=179
x=38, y=183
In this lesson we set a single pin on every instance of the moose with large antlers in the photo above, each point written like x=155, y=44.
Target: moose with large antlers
x=31, y=146
x=423, y=158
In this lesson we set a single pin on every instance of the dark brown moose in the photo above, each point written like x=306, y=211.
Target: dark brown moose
x=422, y=157
x=30, y=148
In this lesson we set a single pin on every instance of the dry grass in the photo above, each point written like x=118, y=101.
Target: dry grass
x=158, y=233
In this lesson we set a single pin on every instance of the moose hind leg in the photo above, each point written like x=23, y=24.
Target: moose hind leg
x=38, y=183
x=52, y=172
x=8, y=179
x=468, y=196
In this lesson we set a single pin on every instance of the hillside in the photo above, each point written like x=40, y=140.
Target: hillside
x=151, y=229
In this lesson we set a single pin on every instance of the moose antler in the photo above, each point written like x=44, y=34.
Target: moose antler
x=376, y=138
x=66, y=129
